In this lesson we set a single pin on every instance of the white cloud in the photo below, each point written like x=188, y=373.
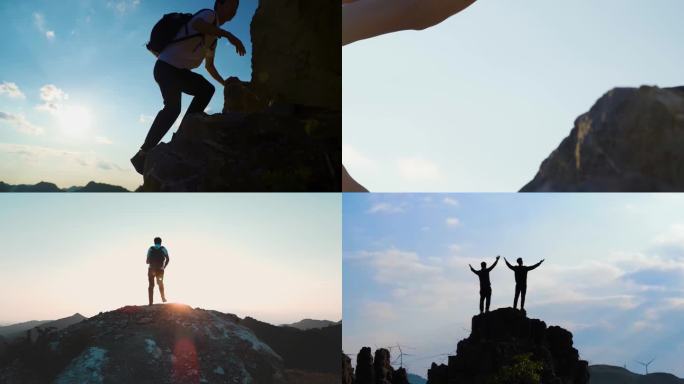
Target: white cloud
x=352, y=158
x=52, y=97
x=450, y=201
x=103, y=140
x=418, y=169
x=32, y=153
x=453, y=221
x=455, y=248
x=11, y=90
x=145, y=119
x=384, y=207
x=123, y=6
x=21, y=124
x=39, y=22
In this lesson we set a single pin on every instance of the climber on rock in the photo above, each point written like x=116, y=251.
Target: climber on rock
x=485, y=284
x=182, y=42
x=521, y=280
x=157, y=259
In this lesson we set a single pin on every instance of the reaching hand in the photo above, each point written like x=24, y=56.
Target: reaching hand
x=239, y=47
x=498, y=257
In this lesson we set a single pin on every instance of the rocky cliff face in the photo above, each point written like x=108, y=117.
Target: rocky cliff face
x=498, y=337
x=376, y=370
x=630, y=141
x=280, y=132
x=157, y=344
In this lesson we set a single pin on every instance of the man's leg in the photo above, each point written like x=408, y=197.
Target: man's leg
x=160, y=283
x=482, y=298
x=523, y=292
x=150, y=285
x=517, y=293
x=196, y=85
x=169, y=80
x=488, y=300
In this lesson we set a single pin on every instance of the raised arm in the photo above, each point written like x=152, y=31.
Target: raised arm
x=535, y=266
x=363, y=19
x=494, y=265
x=508, y=264
x=471, y=268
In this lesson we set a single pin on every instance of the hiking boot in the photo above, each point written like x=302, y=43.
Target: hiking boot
x=138, y=161
x=164, y=299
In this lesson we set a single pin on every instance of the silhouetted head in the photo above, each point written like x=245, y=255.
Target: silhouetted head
x=519, y=260
x=157, y=241
x=226, y=9
x=483, y=265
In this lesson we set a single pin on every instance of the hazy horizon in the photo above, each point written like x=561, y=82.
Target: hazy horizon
x=274, y=257
x=77, y=94
x=613, y=272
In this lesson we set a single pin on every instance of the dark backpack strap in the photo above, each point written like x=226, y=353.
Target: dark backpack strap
x=187, y=35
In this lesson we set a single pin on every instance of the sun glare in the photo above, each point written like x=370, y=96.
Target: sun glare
x=74, y=120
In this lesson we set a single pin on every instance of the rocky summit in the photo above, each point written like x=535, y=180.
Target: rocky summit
x=372, y=370
x=630, y=141
x=499, y=338
x=281, y=131
x=157, y=344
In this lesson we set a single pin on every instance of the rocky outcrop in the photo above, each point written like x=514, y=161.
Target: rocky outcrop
x=377, y=370
x=498, y=337
x=630, y=141
x=280, y=132
x=156, y=344
x=296, y=52
x=347, y=370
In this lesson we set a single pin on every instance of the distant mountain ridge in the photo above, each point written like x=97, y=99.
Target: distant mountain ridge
x=307, y=324
x=608, y=374
x=51, y=187
x=14, y=331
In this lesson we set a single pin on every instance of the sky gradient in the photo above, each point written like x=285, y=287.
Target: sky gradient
x=613, y=275
x=479, y=101
x=77, y=94
x=275, y=257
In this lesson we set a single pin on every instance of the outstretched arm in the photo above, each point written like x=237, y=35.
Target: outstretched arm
x=494, y=265
x=206, y=28
x=471, y=268
x=363, y=19
x=508, y=264
x=211, y=68
x=535, y=266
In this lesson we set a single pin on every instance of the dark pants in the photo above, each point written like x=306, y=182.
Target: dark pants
x=172, y=82
x=485, y=296
x=153, y=273
x=520, y=290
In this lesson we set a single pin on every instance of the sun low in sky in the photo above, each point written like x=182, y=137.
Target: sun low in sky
x=613, y=274
x=77, y=94
x=275, y=257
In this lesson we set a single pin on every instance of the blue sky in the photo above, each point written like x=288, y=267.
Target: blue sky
x=87, y=58
x=275, y=257
x=613, y=273
x=477, y=102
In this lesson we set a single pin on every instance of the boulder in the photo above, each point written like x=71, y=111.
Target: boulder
x=630, y=141
x=347, y=370
x=498, y=337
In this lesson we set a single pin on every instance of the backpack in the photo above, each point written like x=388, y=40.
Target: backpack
x=165, y=31
x=157, y=257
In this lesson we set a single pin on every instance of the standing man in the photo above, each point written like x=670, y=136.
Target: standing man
x=194, y=43
x=485, y=284
x=158, y=259
x=521, y=280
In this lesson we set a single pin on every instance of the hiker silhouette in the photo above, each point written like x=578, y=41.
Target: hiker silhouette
x=182, y=42
x=157, y=259
x=520, y=271
x=485, y=284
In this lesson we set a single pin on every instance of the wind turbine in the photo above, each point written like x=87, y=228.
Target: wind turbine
x=646, y=364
